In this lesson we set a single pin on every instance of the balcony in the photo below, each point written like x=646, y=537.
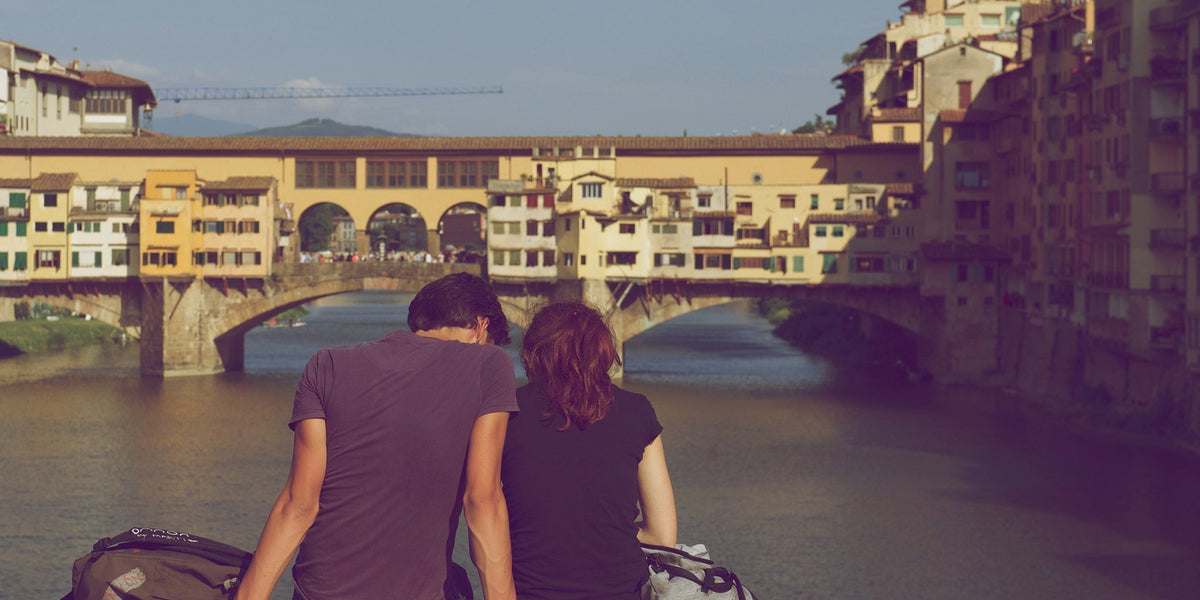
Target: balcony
x=8, y=213
x=1168, y=70
x=1166, y=128
x=1167, y=183
x=1167, y=284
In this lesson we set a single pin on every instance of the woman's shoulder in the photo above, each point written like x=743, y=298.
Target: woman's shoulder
x=631, y=400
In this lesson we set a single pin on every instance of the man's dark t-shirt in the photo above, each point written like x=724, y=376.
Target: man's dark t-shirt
x=573, y=499
x=398, y=415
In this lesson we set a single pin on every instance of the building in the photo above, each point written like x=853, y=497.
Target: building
x=43, y=97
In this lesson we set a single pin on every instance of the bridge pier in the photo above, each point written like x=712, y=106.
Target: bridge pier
x=180, y=332
x=8, y=309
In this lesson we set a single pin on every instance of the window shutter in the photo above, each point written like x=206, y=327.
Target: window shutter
x=74, y=259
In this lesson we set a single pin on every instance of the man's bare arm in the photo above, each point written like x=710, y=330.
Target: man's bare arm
x=485, y=510
x=293, y=513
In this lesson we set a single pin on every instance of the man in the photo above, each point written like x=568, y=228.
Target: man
x=393, y=439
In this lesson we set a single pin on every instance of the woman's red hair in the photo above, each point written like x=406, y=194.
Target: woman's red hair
x=568, y=350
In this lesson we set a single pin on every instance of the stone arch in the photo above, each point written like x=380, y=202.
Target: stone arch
x=464, y=226
x=341, y=228
x=397, y=226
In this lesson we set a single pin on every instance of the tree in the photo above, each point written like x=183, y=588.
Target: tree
x=316, y=227
x=851, y=58
x=817, y=124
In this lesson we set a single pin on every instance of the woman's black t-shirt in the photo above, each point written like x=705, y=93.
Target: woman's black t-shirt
x=573, y=499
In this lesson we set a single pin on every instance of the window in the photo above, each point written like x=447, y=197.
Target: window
x=621, y=258
x=627, y=228
x=867, y=264
x=964, y=94
x=547, y=258
x=829, y=263
x=41, y=226
x=251, y=258
x=953, y=20
x=548, y=228
x=816, y=203
x=418, y=174
x=839, y=204
x=467, y=173
x=20, y=262
x=514, y=257
x=568, y=259
x=531, y=228
x=499, y=228
x=49, y=200
x=972, y=175
x=989, y=20
x=787, y=202
x=839, y=231
x=498, y=258
x=566, y=224
x=745, y=208
x=164, y=227
x=181, y=193
x=106, y=102
x=897, y=133
x=16, y=200
x=248, y=227
x=704, y=201
x=120, y=257
x=591, y=190
x=499, y=200
x=531, y=258
x=325, y=174
x=821, y=231
x=798, y=264
x=21, y=228
x=58, y=226
x=49, y=259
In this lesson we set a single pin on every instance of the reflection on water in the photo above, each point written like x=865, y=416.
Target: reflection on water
x=806, y=488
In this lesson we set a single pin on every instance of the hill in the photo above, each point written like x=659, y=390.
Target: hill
x=322, y=128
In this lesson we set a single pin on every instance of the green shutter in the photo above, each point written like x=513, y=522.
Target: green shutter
x=798, y=264
x=16, y=200
x=737, y=263
x=74, y=259
x=771, y=263
x=21, y=227
x=3, y=261
x=99, y=260
x=19, y=261
x=124, y=199
x=3, y=228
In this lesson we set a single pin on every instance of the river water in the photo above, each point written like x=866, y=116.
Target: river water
x=807, y=482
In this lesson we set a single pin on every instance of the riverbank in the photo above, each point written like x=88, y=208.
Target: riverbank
x=45, y=335
x=854, y=347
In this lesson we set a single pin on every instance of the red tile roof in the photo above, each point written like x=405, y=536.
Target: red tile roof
x=15, y=183
x=966, y=116
x=678, y=182
x=906, y=115
x=847, y=218
x=900, y=189
x=108, y=79
x=241, y=184
x=53, y=182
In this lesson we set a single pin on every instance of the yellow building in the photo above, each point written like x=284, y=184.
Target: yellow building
x=170, y=203
x=50, y=208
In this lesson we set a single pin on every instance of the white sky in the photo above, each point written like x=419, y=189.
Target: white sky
x=567, y=68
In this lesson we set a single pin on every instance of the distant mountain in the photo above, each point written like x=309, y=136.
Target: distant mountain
x=195, y=125
x=322, y=128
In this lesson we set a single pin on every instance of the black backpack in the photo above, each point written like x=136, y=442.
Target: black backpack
x=145, y=563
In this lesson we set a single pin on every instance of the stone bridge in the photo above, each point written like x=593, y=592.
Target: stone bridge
x=197, y=326
x=635, y=306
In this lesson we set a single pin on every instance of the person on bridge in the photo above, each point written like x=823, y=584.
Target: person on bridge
x=393, y=439
x=579, y=459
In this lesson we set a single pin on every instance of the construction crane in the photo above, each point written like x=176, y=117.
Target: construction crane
x=180, y=94
x=298, y=92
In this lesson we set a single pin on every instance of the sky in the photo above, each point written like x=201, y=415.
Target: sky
x=648, y=67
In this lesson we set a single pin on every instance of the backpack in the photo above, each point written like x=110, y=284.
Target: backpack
x=145, y=563
x=687, y=573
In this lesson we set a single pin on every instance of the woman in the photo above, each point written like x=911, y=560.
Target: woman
x=579, y=460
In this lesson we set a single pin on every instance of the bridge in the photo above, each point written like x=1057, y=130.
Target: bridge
x=189, y=326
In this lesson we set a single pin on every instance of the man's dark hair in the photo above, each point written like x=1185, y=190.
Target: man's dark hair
x=458, y=300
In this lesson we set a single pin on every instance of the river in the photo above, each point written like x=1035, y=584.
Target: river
x=808, y=483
